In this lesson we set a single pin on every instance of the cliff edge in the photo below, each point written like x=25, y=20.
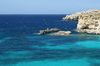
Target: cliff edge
x=88, y=21
x=73, y=17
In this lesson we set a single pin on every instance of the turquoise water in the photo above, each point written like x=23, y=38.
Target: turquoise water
x=21, y=45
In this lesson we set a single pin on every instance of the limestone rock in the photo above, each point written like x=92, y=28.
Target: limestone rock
x=88, y=31
x=88, y=21
x=54, y=29
x=49, y=31
x=62, y=33
x=73, y=17
x=44, y=31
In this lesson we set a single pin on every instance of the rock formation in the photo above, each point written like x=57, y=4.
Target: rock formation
x=88, y=21
x=73, y=17
x=57, y=32
x=62, y=33
x=54, y=29
x=49, y=31
x=44, y=31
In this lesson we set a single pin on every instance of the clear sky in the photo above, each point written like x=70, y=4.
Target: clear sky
x=47, y=6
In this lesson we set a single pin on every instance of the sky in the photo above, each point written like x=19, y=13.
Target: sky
x=47, y=6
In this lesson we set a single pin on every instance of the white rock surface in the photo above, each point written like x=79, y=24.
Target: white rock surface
x=62, y=33
x=88, y=21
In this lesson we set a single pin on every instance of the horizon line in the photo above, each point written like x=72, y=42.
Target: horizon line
x=34, y=14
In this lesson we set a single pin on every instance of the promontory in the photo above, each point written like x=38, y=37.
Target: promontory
x=88, y=21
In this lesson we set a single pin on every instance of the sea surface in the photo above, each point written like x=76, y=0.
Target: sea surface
x=21, y=44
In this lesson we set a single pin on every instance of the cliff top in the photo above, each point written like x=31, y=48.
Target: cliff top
x=93, y=14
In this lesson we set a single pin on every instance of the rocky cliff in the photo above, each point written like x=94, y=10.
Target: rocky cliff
x=73, y=17
x=88, y=21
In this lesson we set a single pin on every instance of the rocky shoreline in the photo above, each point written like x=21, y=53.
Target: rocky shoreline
x=88, y=31
x=73, y=17
x=88, y=21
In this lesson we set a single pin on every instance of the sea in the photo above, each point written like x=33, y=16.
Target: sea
x=22, y=45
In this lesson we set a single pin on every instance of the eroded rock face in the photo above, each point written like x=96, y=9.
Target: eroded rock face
x=88, y=31
x=88, y=21
x=73, y=17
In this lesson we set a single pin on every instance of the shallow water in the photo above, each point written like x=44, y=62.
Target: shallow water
x=21, y=44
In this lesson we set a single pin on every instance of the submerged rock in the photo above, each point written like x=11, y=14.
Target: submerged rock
x=62, y=33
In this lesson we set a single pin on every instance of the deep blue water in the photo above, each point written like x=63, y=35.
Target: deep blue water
x=21, y=44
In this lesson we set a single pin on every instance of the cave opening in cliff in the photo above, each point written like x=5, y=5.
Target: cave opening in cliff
x=85, y=28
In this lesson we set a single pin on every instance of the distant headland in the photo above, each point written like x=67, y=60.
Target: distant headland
x=88, y=21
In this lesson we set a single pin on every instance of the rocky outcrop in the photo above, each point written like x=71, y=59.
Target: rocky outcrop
x=88, y=21
x=49, y=31
x=73, y=17
x=88, y=31
x=58, y=32
x=62, y=33
x=44, y=31
x=54, y=29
